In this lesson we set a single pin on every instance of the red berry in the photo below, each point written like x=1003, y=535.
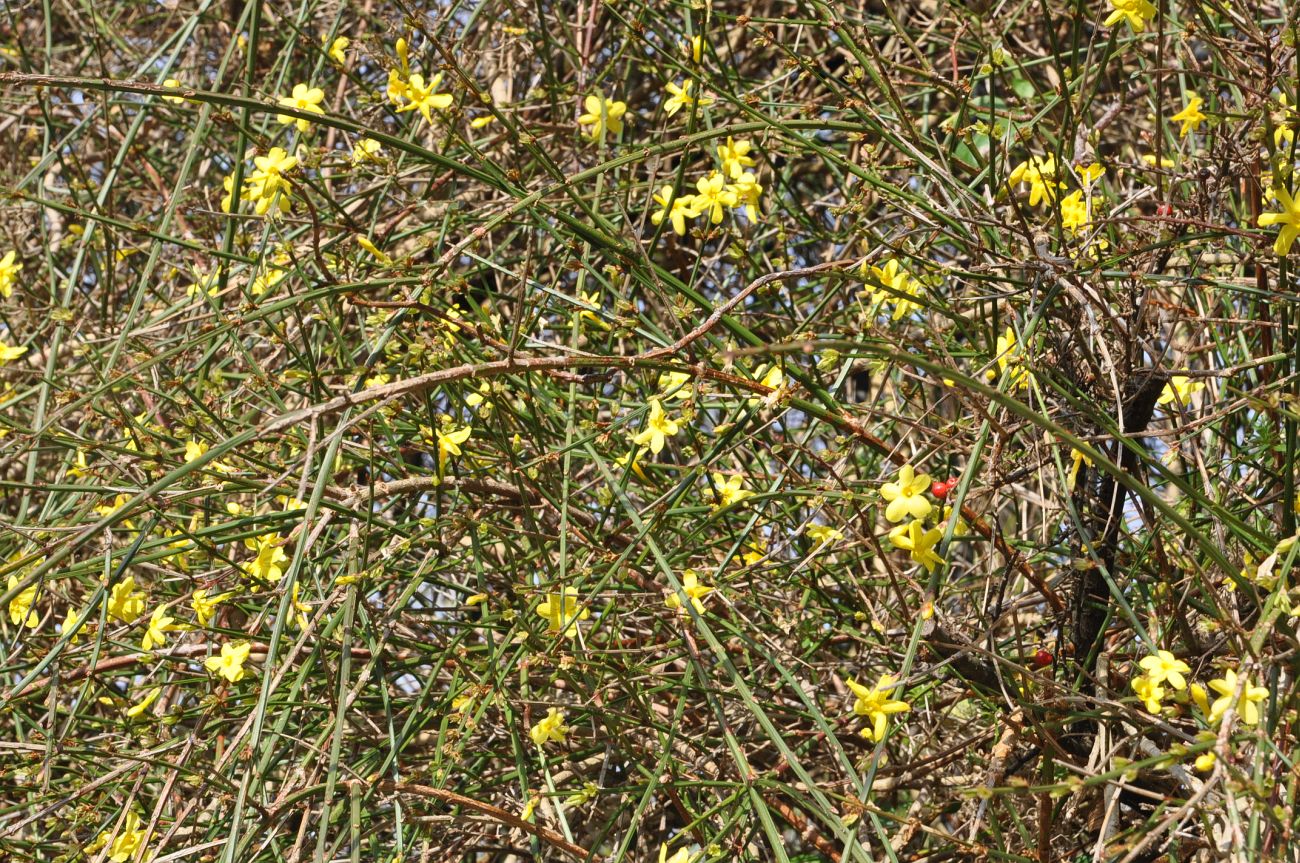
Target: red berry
x=1042, y=658
x=942, y=488
x=1165, y=210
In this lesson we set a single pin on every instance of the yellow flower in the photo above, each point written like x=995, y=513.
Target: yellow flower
x=267, y=185
x=695, y=47
x=304, y=98
x=1149, y=691
x=143, y=704
x=300, y=608
x=562, y=612
x=1090, y=174
x=693, y=590
x=125, y=603
x=1288, y=217
x=155, y=633
x=896, y=286
x=675, y=210
x=632, y=461
x=676, y=385
x=482, y=122
x=125, y=845
x=603, y=115
x=366, y=150
x=477, y=397
x=1136, y=12
x=273, y=271
x=70, y=621
x=906, y=495
x=266, y=566
x=8, y=352
x=748, y=192
x=20, y=606
x=1205, y=761
x=230, y=664
x=194, y=449
x=1246, y=704
x=876, y=705
x=1040, y=176
x=1284, y=120
x=1075, y=214
x=1191, y=116
x=1200, y=698
x=173, y=84
x=206, y=606
x=713, y=195
x=549, y=729
x=80, y=467
x=729, y=490
x=375, y=252
x=735, y=157
x=682, y=855
x=1179, y=390
x=396, y=90
x=1162, y=666
x=1010, y=358
x=424, y=97
x=449, y=443
x=823, y=534
x=1077, y=458
x=336, y=48
x=658, y=428
x=918, y=542
x=8, y=273
x=680, y=97
x=769, y=376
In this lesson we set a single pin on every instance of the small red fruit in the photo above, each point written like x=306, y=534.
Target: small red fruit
x=1042, y=658
x=942, y=488
x=1165, y=210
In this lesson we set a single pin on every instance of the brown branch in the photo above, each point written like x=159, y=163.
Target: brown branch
x=420, y=484
x=721, y=311
x=180, y=651
x=452, y=798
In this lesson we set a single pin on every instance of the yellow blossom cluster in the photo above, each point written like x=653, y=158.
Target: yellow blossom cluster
x=730, y=186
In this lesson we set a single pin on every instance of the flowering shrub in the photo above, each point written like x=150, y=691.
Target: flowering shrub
x=525, y=431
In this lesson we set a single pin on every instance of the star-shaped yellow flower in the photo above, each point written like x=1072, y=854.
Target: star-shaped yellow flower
x=735, y=157
x=918, y=542
x=550, y=728
x=875, y=704
x=680, y=97
x=1288, y=217
x=304, y=98
x=155, y=633
x=1136, y=12
x=729, y=490
x=1149, y=691
x=906, y=495
x=675, y=209
x=1162, y=666
x=602, y=115
x=1247, y=704
x=230, y=664
x=693, y=589
x=1179, y=390
x=658, y=428
x=9, y=269
x=562, y=612
x=1191, y=116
